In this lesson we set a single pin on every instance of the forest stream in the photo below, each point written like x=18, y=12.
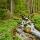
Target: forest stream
x=27, y=31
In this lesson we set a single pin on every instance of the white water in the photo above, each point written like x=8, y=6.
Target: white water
x=31, y=25
x=34, y=31
x=28, y=24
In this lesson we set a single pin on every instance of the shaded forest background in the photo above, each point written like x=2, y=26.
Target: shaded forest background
x=14, y=9
x=18, y=8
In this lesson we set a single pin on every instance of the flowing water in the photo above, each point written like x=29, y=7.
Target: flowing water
x=24, y=35
x=31, y=25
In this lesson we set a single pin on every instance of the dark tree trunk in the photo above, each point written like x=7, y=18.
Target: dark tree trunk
x=9, y=4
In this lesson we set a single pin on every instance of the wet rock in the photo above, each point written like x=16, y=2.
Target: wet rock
x=27, y=36
x=27, y=29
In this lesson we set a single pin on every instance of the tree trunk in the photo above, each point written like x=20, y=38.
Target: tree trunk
x=8, y=4
x=11, y=7
x=30, y=5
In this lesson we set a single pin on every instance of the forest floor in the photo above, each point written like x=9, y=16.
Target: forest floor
x=7, y=25
x=5, y=28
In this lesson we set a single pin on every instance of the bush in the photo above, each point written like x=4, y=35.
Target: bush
x=36, y=20
x=4, y=14
x=20, y=7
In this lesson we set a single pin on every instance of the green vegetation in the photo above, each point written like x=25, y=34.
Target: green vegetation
x=5, y=28
x=21, y=8
x=36, y=20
